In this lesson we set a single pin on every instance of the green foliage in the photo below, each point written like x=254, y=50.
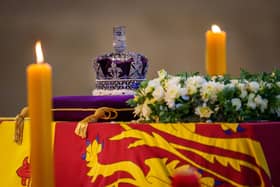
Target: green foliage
x=190, y=97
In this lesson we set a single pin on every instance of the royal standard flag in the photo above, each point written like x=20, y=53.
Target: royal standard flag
x=127, y=155
x=142, y=155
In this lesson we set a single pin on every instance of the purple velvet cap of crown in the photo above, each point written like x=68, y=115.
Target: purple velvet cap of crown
x=85, y=102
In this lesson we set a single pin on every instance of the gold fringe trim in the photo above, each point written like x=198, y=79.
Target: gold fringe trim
x=7, y=118
x=91, y=109
x=100, y=113
x=106, y=113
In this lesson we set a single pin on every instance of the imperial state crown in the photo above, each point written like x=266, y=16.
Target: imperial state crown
x=119, y=70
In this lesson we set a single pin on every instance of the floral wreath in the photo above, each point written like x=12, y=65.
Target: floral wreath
x=196, y=98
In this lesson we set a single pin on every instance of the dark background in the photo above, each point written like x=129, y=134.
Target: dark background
x=169, y=32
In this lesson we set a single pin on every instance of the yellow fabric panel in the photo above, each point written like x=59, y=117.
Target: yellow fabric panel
x=12, y=155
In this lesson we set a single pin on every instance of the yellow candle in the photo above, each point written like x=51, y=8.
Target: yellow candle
x=39, y=86
x=215, y=51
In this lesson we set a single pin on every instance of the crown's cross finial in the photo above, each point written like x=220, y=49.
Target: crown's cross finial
x=119, y=43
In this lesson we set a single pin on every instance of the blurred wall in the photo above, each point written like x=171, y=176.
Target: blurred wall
x=169, y=32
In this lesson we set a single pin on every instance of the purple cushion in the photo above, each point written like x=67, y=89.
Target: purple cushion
x=62, y=104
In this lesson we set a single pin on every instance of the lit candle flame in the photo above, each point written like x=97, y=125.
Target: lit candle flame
x=39, y=53
x=216, y=28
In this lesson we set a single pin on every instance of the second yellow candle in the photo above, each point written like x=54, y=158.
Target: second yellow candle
x=215, y=51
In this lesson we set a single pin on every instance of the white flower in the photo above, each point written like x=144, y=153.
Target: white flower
x=258, y=99
x=191, y=89
x=193, y=84
x=173, y=81
x=262, y=103
x=173, y=91
x=203, y=111
x=254, y=86
x=152, y=84
x=171, y=94
x=170, y=102
x=210, y=90
x=158, y=93
x=243, y=90
x=251, y=103
x=176, y=91
x=236, y=102
x=243, y=94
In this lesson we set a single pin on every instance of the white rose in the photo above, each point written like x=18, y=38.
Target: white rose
x=152, y=84
x=196, y=81
x=243, y=93
x=251, y=96
x=158, y=93
x=254, y=86
x=170, y=103
x=191, y=89
x=210, y=90
x=243, y=90
x=236, y=102
x=193, y=84
x=258, y=99
x=251, y=104
x=173, y=81
x=171, y=94
x=182, y=91
x=262, y=103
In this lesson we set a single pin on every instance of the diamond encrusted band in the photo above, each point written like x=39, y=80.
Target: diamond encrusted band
x=118, y=84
